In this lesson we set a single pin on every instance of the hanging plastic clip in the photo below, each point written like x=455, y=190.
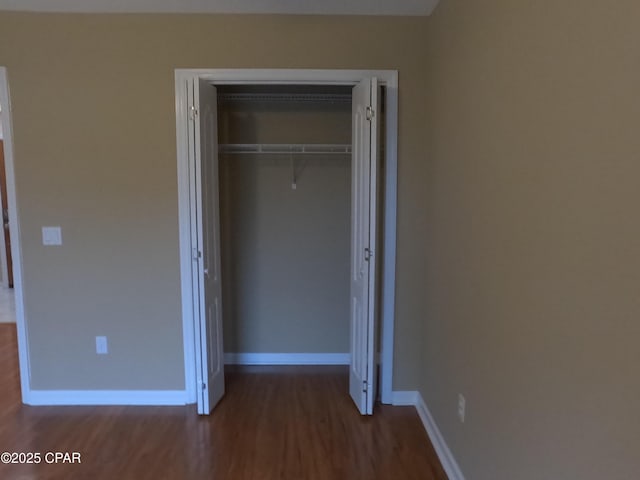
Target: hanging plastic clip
x=294, y=180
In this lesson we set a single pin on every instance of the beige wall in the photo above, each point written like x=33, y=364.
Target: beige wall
x=285, y=252
x=533, y=245
x=93, y=100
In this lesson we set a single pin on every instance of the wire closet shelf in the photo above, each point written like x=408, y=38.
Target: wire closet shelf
x=283, y=148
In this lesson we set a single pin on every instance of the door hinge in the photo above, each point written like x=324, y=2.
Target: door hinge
x=196, y=254
x=365, y=386
x=367, y=254
x=193, y=112
x=370, y=113
x=204, y=386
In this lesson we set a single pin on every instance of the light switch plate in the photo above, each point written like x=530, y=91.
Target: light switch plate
x=51, y=236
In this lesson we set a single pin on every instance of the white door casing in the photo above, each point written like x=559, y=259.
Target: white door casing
x=362, y=371
x=185, y=79
x=206, y=251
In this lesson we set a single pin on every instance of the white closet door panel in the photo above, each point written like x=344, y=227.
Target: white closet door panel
x=209, y=362
x=364, y=138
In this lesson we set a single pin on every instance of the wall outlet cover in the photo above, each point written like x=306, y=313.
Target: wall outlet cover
x=462, y=407
x=101, y=346
x=51, y=236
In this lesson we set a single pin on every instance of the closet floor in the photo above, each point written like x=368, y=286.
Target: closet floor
x=291, y=423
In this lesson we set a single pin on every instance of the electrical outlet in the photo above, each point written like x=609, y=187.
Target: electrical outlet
x=462, y=407
x=101, y=346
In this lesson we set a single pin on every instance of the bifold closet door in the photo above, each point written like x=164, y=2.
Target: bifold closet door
x=206, y=252
x=364, y=172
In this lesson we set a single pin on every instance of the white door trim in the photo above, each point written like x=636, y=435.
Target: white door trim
x=16, y=253
x=388, y=78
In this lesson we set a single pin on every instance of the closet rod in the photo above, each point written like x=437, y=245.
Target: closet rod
x=285, y=97
x=284, y=148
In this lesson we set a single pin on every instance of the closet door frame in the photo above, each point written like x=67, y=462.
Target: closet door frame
x=389, y=80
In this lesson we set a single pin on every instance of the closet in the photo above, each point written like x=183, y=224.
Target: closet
x=284, y=202
x=285, y=186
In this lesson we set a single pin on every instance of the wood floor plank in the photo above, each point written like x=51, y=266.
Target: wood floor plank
x=286, y=423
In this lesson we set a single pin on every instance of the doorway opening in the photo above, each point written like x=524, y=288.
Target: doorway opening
x=13, y=251
x=285, y=181
x=7, y=299
x=6, y=264
x=287, y=210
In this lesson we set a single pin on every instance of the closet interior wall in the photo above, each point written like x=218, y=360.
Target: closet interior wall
x=285, y=250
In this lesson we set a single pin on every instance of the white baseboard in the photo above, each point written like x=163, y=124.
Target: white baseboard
x=106, y=397
x=287, y=358
x=404, y=398
x=449, y=464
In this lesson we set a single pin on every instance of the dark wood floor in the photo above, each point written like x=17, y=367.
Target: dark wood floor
x=295, y=424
